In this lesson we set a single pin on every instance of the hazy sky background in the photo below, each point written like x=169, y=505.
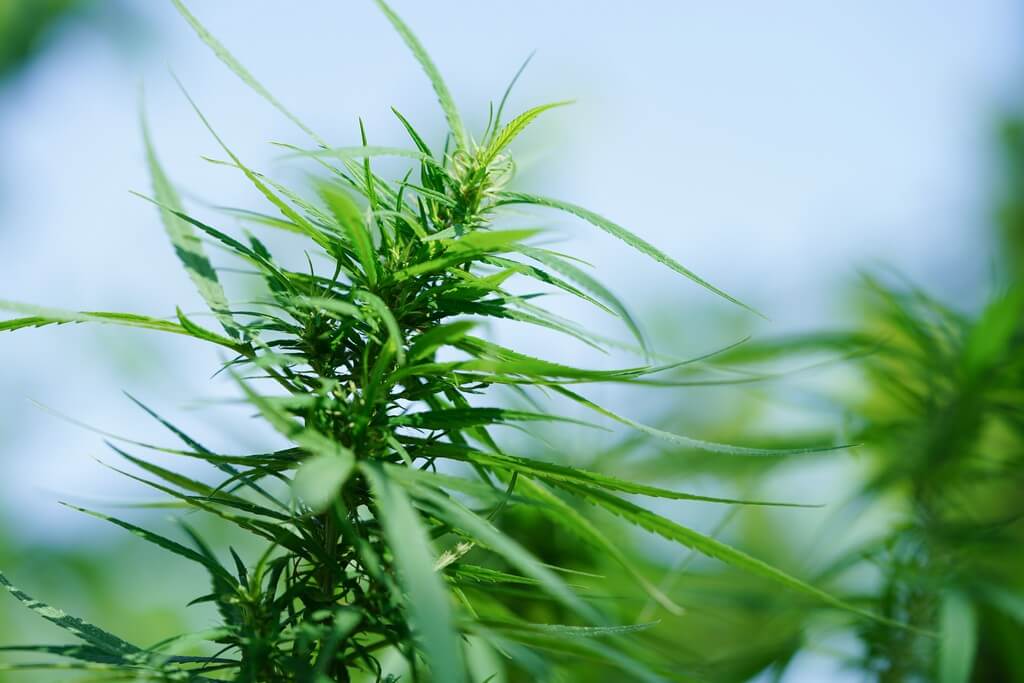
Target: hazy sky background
x=774, y=148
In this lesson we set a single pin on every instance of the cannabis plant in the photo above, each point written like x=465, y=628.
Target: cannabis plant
x=382, y=550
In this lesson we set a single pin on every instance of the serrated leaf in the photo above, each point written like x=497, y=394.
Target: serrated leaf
x=503, y=137
x=554, y=473
x=690, y=442
x=451, y=112
x=226, y=57
x=621, y=233
x=715, y=549
x=107, y=642
x=185, y=241
x=40, y=316
x=157, y=539
x=464, y=418
x=591, y=285
x=85, y=653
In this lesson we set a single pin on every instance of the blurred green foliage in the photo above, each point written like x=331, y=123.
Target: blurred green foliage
x=24, y=25
x=1010, y=214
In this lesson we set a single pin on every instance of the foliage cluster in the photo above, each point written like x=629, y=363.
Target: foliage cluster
x=381, y=522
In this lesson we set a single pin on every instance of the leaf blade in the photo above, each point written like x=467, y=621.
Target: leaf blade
x=623, y=234
x=183, y=238
x=444, y=96
x=229, y=60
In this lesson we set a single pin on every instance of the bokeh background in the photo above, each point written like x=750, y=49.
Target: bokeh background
x=776, y=149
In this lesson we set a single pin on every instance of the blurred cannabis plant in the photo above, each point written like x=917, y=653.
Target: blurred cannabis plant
x=945, y=418
x=930, y=532
x=379, y=522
